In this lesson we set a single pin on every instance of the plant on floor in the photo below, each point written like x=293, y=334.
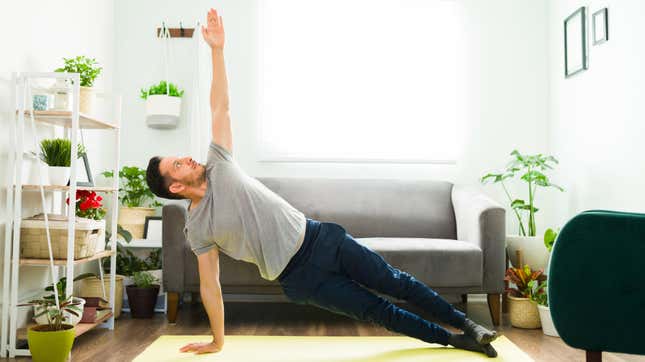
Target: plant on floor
x=530, y=167
x=161, y=89
x=57, y=152
x=135, y=191
x=539, y=292
x=142, y=296
x=521, y=277
x=144, y=279
x=87, y=68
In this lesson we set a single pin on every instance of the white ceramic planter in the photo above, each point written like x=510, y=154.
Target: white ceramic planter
x=87, y=98
x=162, y=111
x=534, y=253
x=58, y=175
x=547, y=323
x=70, y=318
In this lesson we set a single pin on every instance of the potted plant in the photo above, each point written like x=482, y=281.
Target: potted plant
x=88, y=205
x=137, y=201
x=53, y=341
x=142, y=296
x=163, y=105
x=539, y=296
x=73, y=319
x=56, y=153
x=523, y=313
x=88, y=70
x=528, y=168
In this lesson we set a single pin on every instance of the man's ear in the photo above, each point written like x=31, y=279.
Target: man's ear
x=176, y=187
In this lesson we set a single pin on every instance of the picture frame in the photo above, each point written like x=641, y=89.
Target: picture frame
x=575, y=42
x=600, y=26
x=88, y=173
x=152, y=228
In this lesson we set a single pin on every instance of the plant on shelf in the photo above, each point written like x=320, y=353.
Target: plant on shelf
x=88, y=70
x=163, y=105
x=52, y=341
x=529, y=168
x=57, y=154
x=523, y=313
x=162, y=88
x=142, y=295
x=88, y=205
x=61, y=286
x=137, y=201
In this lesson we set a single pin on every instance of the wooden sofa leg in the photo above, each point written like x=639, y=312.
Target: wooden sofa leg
x=464, y=299
x=594, y=356
x=173, y=305
x=495, y=308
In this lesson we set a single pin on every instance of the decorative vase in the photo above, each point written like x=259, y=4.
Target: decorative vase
x=547, y=323
x=523, y=313
x=142, y=300
x=162, y=111
x=534, y=253
x=133, y=219
x=87, y=100
x=69, y=318
x=50, y=346
x=58, y=175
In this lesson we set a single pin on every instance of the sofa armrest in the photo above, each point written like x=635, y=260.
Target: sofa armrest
x=173, y=242
x=482, y=221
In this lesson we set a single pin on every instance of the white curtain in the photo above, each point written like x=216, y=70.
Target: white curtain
x=358, y=80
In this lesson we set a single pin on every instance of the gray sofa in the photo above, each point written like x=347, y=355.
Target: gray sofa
x=450, y=237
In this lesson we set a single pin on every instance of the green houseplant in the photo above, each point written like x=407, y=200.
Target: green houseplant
x=53, y=341
x=163, y=105
x=61, y=285
x=57, y=154
x=137, y=201
x=529, y=169
x=142, y=295
x=523, y=313
x=88, y=70
x=539, y=296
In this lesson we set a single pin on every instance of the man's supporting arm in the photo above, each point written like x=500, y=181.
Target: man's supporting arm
x=211, y=293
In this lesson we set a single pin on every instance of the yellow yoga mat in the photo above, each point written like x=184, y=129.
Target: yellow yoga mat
x=323, y=349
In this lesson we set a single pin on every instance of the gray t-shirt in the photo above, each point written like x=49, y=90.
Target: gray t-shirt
x=243, y=218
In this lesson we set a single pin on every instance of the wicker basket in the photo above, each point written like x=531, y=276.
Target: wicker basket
x=524, y=313
x=133, y=219
x=33, y=237
x=91, y=287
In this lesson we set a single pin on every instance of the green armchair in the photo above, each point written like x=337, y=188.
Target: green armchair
x=597, y=283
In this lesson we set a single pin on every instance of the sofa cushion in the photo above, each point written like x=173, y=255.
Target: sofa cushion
x=435, y=262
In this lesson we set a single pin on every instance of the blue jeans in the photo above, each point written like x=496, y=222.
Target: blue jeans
x=332, y=271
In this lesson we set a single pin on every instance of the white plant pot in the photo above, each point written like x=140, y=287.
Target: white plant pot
x=547, y=323
x=534, y=253
x=58, y=175
x=69, y=318
x=87, y=98
x=162, y=111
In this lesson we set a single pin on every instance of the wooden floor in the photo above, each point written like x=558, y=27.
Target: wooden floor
x=131, y=336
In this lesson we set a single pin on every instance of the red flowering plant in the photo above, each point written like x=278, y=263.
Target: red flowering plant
x=88, y=205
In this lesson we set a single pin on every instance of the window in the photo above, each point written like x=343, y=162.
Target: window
x=358, y=80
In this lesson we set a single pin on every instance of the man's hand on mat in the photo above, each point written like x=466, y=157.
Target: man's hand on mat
x=214, y=31
x=200, y=348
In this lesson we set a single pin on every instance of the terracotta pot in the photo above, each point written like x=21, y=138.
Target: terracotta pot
x=523, y=313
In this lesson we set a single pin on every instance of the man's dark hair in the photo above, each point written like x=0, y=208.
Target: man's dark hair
x=158, y=183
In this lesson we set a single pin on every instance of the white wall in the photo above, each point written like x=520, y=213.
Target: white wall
x=504, y=89
x=35, y=35
x=597, y=115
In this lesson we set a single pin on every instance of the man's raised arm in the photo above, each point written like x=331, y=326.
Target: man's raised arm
x=214, y=36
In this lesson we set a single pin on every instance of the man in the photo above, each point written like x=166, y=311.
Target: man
x=316, y=263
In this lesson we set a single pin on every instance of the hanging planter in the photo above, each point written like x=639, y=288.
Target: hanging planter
x=163, y=105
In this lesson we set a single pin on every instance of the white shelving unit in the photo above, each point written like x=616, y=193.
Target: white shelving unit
x=71, y=121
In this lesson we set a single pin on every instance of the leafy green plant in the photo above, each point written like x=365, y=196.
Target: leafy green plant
x=56, y=316
x=135, y=191
x=532, y=164
x=521, y=277
x=162, y=88
x=58, y=152
x=127, y=263
x=87, y=68
x=539, y=292
x=549, y=238
x=62, y=284
x=144, y=279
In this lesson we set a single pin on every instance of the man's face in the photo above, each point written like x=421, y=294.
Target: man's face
x=184, y=171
